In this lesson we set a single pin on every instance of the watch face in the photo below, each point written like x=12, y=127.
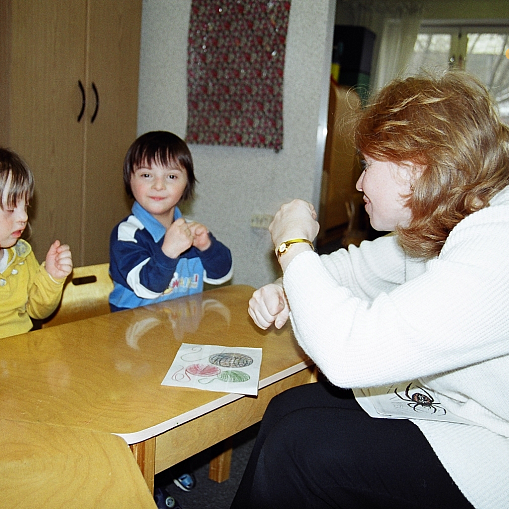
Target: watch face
x=281, y=248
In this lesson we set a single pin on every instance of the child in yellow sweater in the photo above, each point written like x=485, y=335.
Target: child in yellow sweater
x=27, y=289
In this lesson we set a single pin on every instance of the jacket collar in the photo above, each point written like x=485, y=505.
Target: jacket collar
x=152, y=225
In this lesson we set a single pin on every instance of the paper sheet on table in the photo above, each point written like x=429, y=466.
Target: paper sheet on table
x=216, y=368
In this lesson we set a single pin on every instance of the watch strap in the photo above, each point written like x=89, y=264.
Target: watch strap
x=283, y=247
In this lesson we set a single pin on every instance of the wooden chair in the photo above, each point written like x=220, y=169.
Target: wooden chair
x=84, y=296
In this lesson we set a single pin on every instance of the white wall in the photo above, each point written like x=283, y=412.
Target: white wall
x=234, y=182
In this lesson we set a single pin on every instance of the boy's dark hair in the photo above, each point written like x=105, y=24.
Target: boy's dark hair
x=160, y=147
x=22, y=180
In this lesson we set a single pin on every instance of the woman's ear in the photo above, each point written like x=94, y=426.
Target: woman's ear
x=414, y=172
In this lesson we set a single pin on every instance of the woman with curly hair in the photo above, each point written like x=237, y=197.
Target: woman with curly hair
x=410, y=331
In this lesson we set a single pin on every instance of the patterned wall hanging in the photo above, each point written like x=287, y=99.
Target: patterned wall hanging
x=236, y=56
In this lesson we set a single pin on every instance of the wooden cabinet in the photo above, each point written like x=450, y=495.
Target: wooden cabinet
x=339, y=198
x=68, y=105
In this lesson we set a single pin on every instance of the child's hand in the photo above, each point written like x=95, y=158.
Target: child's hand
x=59, y=260
x=178, y=238
x=201, y=236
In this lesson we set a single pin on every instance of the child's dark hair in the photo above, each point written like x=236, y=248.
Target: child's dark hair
x=22, y=180
x=160, y=147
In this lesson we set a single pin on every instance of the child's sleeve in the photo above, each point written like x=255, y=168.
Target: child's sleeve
x=44, y=292
x=217, y=262
x=140, y=265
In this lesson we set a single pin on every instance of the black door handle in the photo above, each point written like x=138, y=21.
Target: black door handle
x=94, y=88
x=83, y=100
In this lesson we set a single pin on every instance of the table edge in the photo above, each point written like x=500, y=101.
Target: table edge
x=147, y=433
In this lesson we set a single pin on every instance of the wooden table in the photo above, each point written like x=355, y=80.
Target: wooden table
x=48, y=466
x=104, y=374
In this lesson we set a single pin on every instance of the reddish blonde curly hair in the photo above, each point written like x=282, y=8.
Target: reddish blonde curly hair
x=449, y=127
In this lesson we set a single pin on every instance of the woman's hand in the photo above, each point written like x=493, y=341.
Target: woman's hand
x=268, y=306
x=59, y=260
x=294, y=220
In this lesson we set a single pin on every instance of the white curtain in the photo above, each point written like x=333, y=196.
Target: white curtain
x=396, y=48
x=486, y=58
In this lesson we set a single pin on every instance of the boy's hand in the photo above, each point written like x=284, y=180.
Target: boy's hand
x=178, y=238
x=201, y=236
x=59, y=260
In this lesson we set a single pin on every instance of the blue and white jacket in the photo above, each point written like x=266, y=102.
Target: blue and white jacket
x=142, y=274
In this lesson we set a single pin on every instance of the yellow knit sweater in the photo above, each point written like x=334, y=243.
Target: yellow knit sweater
x=26, y=290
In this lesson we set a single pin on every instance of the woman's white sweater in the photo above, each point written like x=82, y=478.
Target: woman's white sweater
x=372, y=316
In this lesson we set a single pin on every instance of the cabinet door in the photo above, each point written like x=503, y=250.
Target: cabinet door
x=43, y=57
x=113, y=69
x=339, y=177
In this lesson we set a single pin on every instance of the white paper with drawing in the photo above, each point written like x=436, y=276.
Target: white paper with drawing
x=409, y=400
x=216, y=368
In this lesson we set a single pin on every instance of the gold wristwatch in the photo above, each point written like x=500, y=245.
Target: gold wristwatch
x=283, y=247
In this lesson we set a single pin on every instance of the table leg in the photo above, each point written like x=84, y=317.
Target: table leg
x=211, y=428
x=145, y=455
x=219, y=467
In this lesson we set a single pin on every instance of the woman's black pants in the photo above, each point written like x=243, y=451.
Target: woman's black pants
x=317, y=448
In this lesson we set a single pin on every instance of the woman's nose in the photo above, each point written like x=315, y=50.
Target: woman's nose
x=358, y=184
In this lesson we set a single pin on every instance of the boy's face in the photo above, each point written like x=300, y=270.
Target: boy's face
x=158, y=189
x=13, y=220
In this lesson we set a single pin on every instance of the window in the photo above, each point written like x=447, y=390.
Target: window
x=479, y=49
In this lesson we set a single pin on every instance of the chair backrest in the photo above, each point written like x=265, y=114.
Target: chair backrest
x=84, y=296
